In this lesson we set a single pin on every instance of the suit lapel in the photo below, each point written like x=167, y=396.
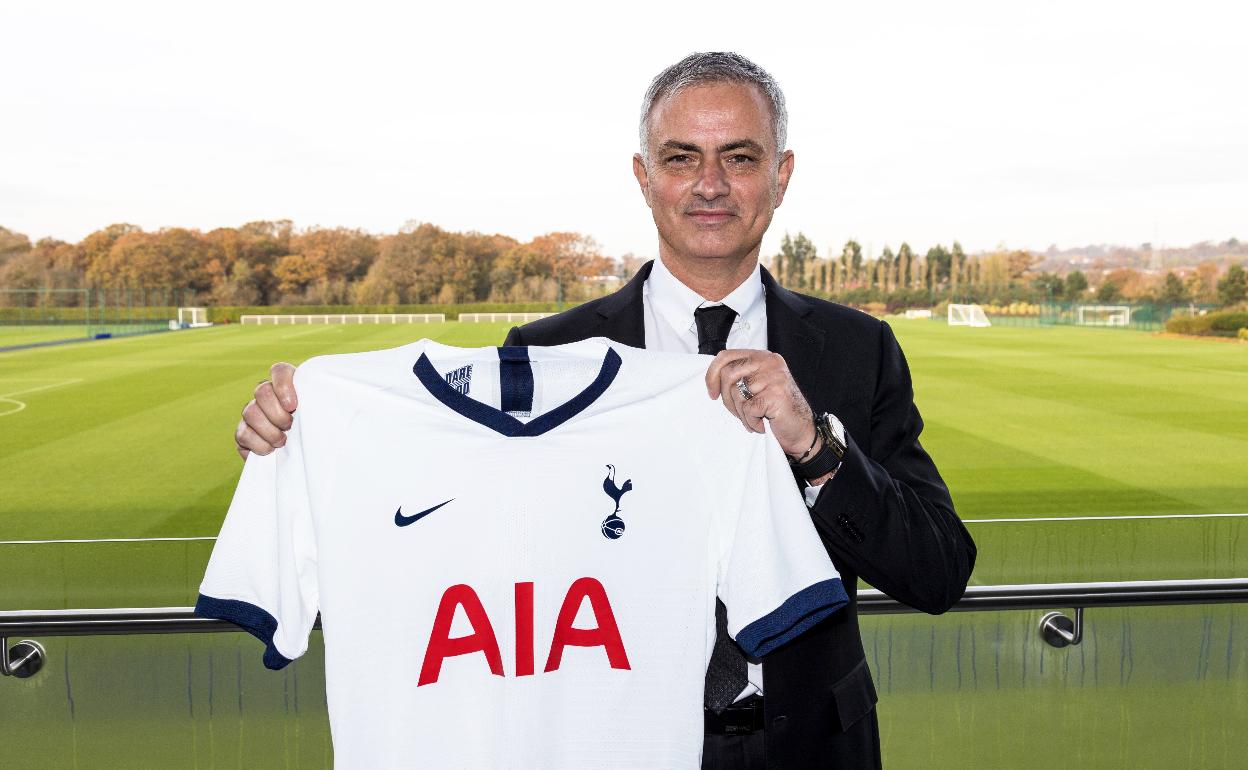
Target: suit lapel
x=622, y=314
x=799, y=342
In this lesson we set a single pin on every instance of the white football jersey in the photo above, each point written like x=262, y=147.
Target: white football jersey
x=526, y=543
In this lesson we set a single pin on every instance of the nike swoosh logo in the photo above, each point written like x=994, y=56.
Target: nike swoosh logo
x=403, y=521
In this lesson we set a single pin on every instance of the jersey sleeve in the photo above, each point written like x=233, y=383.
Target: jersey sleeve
x=775, y=578
x=262, y=573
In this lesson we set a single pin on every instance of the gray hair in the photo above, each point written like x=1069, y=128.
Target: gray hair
x=717, y=67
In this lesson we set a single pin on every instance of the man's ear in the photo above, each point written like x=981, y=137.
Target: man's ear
x=785, y=171
x=643, y=179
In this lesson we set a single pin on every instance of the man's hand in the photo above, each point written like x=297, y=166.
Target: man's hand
x=267, y=417
x=775, y=396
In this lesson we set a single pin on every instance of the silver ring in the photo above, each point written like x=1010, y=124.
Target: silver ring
x=744, y=389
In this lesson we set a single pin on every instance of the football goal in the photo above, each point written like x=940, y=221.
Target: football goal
x=1104, y=315
x=193, y=317
x=476, y=318
x=341, y=318
x=967, y=315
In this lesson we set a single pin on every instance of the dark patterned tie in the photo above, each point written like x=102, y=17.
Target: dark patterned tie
x=726, y=673
x=714, y=323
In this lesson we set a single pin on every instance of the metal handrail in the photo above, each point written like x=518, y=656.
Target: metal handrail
x=1033, y=596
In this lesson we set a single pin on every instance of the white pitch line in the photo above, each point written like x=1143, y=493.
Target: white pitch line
x=56, y=384
x=109, y=540
x=967, y=521
x=5, y=397
x=1111, y=518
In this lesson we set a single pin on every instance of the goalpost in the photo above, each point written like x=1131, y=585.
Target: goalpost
x=192, y=318
x=967, y=315
x=1104, y=315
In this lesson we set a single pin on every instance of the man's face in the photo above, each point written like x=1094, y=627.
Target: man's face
x=712, y=180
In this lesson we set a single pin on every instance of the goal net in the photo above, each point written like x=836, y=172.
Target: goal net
x=967, y=315
x=193, y=317
x=1104, y=315
x=474, y=318
x=342, y=318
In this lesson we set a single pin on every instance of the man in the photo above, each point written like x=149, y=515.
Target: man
x=831, y=382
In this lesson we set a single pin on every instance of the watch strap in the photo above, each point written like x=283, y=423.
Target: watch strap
x=824, y=462
x=829, y=456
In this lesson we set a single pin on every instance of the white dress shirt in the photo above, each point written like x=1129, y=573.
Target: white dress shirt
x=669, y=304
x=667, y=309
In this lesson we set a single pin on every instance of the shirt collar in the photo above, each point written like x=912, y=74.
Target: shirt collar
x=675, y=302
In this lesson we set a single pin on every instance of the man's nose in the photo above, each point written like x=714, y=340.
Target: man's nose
x=712, y=181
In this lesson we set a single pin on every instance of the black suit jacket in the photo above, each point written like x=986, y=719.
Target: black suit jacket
x=885, y=517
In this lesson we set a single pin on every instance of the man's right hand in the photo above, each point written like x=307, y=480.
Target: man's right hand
x=267, y=417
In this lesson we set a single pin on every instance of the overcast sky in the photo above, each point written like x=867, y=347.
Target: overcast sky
x=1016, y=123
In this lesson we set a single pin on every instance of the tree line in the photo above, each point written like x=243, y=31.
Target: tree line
x=273, y=263
x=906, y=278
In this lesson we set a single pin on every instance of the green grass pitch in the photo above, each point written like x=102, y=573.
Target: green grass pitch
x=132, y=437
x=1055, y=443
x=38, y=334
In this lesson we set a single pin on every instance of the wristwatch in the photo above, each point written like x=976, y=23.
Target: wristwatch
x=829, y=456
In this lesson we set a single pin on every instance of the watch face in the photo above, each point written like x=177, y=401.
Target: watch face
x=835, y=432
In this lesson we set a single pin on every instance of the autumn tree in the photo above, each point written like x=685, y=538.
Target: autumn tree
x=323, y=264
x=1108, y=291
x=940, y=264
x=1202, y=283
x=1020, y=262
x=1076, y=285
x=173, y=258
x=905, y=265
x=890, y=269
x=851, y=261
x=261, y=245
x=777, y=269
x=49, y=264
x=995, y=270
x=1173, y=292
x=1131, y=284
x=410, y=266
x=96, y=246
x=234, y=282
x=1050, y=285
x=797, y=253
x=957, y=265
x=551, y=266
x=1233, y=288
x=12, y=244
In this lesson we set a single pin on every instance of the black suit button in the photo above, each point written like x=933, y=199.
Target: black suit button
x=850, y=528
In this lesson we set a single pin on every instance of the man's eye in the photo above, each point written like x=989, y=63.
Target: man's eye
x=741, y=159
x=679, y=158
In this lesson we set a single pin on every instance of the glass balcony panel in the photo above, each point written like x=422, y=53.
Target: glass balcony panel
x=75, y=575
x=167, y=701
x=1148, y=687
x=1012, y=552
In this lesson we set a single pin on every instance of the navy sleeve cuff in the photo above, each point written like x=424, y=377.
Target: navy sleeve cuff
x=251, y=619
x=798, y=613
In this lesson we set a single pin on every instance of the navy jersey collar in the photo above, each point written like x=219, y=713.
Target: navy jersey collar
x=499, y=420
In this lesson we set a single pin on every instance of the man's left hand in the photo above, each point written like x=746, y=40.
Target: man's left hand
x=775, y=396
